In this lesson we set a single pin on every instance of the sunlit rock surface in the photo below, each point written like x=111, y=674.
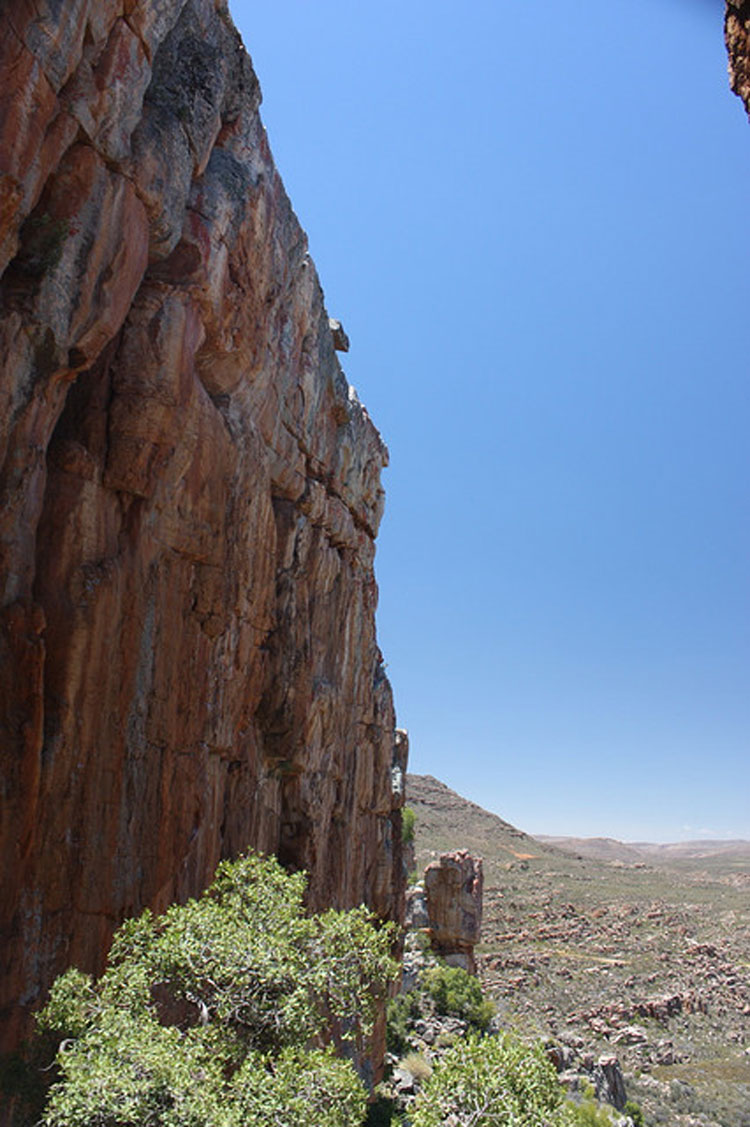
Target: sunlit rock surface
x=453, y=891
x=189, y=496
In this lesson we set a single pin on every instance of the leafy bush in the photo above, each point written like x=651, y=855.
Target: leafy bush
x=588, y=1113
x=634, y=1112
x=383, y=1112
x=207, y=1014
x=400, y=1011
x=408, y=822
x=491, y=1082
x=456, y=993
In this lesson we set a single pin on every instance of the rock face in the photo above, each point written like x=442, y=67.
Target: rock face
x=737, y=35
x=609, y=1082
x=415, y=908
x=453, y=888
x=189, y=496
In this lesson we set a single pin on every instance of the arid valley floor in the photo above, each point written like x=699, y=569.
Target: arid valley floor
x=642, y=952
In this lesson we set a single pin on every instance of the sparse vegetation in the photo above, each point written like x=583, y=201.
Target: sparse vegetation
x=419, y=1067
x=649, y=963
x=587, y=1113
x=634, y=1112
x=408, y=824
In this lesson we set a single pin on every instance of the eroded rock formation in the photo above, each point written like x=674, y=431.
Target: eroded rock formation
x=189, y=496
x=453, y=891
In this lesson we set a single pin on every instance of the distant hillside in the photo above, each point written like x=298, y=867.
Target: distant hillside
x=638, y=950
x=440, y=807
x=596, y=848
x=446, y=821
x=683, y=854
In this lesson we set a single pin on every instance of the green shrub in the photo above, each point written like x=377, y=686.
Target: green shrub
x=400, y=1012
x=205, y=1016
x=633, y=1110
x=491, y=1082
x=588, y=1113
x=456, y=993
x=383, y=1112
x=408, y=823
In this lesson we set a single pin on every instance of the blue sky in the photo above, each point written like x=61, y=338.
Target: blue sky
x=533, y=223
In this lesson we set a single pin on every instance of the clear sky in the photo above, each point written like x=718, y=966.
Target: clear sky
x=533, y=221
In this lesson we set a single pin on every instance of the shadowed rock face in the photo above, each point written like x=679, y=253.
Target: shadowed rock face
x=189, y=495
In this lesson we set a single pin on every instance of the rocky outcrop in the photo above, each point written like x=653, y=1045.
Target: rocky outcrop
x=415, y=908
x=189, y=496
x=453, y=890
x=580, y=1072
x=737, y=36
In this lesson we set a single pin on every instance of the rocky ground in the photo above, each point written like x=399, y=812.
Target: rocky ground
x=649, y=962
x=428, y=1033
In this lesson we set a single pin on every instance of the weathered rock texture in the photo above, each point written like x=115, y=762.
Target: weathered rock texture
x=415, y=908
x=737, y=35
x=189, y=495
x=453, y=887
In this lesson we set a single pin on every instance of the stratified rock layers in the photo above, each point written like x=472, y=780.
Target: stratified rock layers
x=189, y=496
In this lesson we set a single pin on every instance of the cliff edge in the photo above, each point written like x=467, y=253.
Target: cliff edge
x=189, y=497
x=737, y=38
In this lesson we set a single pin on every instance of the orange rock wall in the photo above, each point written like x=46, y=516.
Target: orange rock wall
x=189, y=496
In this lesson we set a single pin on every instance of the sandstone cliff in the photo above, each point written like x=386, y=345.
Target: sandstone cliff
x=189, y=496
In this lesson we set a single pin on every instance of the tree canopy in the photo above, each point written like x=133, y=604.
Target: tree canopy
x=234, y=1010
